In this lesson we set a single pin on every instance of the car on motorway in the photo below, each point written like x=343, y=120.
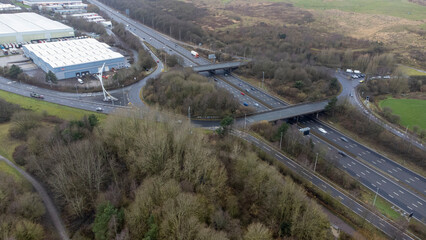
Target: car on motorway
x=247, y=90
x=256, y=104
x=344, y=139
x=361, y=81
x=36, y=95
x=341, y=153
x=215, y=79
x=322, y=130
x=99, y=109
x=158, y=61
x=245, y=104
x=242, y=93
x=252, y=88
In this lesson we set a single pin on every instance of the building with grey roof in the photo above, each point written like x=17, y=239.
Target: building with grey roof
x=28, y=26
x=74, y=58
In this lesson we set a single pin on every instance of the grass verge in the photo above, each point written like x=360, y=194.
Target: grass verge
x=410, y=71
x=411, y=111
x=64, y=112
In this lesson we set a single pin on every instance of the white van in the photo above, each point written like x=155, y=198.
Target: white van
x=357, y=72
x=349, y=70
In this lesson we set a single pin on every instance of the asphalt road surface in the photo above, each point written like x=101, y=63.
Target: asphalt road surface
x=377, y=221
x=375, y=181
x=373, y=158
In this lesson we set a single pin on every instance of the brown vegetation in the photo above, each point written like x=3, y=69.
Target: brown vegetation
x=20, y=210
x=180, y=89
x=161, y=179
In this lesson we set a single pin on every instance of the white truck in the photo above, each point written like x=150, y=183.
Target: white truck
x=195, y=54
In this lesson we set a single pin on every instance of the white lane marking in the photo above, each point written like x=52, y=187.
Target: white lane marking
x=278, y=156
x=420, y=203
x=363, y=173
x=341, y=197
x=291, y=164
x=409, y=207
x=379, y=183
x=396, y=193
x=381, y=224
x=414, y=205
x=359, y=209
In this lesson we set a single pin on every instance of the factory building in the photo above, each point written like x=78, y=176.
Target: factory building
x=28, y=26
x=93, y=17
x=8, y=7
x=51, y=2
x=74, y=58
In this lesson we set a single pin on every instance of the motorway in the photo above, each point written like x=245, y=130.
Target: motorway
x=360, y=210
x=371, y=157
x=86, y=101
x=374, y=180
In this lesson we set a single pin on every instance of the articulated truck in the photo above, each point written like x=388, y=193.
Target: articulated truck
x=195, y=54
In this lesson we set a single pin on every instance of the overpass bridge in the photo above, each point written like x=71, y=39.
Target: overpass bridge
x=287, y=112
x=228, y=66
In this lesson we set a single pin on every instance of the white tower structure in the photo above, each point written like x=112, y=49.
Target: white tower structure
x=107, y=96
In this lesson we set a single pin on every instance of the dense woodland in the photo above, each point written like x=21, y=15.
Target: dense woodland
x=140, y=175
x=180, y=89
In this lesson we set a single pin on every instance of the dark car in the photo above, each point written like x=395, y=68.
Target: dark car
x=343, y=139
x=36, y=95
x=341, y=153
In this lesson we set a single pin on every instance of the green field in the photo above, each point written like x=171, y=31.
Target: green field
x=411, y=111
x=396, y=8
x=64, y=112
x=410, y=71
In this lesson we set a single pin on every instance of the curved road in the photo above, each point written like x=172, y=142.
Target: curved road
x=51, y=209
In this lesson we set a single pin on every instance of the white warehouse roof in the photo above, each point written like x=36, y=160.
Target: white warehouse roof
x=72, y=52
x=28, y=22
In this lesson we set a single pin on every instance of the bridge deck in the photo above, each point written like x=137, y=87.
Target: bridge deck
x=211, y=67
x=288, y=112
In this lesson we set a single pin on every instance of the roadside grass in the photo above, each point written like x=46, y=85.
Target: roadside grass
x=21, y=4
x=411, y=111
x=410, y=71
x=7, y=146
x=382, y=205
x=40, y=106
x=396, y=8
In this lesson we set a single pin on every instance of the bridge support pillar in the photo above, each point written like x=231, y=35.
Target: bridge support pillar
x=317, y=116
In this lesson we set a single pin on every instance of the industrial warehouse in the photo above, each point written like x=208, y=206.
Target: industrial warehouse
x=25, y=27
x=74, y=58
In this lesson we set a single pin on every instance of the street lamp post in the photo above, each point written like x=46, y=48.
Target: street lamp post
x=76, y=89
x=316, y=160
x=375, y=197
x=281, y=140
x=122, y=88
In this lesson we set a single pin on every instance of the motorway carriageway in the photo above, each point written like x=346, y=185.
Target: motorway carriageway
x=360, y=210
